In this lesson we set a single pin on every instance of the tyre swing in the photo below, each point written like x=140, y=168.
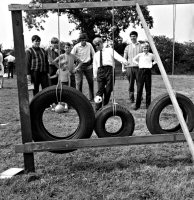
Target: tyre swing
x=114, y=113
x=161, y=110
x=79, y=116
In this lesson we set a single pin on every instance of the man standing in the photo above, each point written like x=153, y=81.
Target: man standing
x=53, y=53
x=103, y=66
x=85, y=52
x=10, y=64
x=1, y=68
x=145, y=60
x=131, y=69
x=37, y=65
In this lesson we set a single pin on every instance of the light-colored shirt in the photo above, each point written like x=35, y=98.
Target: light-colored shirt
x=63, y=76
x=68, y=60
x=84, y=53
x=131, y=50
x=1, y=65
x=10, y=58
x=144, y=60
x=107, y=59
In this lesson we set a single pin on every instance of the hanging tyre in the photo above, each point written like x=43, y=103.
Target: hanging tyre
x=75, y=123
x=114, y=123
x=161, y=117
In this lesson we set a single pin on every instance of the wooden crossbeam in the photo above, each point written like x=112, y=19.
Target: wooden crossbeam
x=100, y=4
x=99, y=142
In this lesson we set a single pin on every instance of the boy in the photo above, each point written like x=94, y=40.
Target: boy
x=10, y=64
x=68, y=60
x=145, y=60
x=63, y=75
x=85, y=52
x=53, y=52
x=131, y=50
x=37, y=65
x=103, y=64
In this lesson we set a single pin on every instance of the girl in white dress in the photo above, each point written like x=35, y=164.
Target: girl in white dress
x=1, y=69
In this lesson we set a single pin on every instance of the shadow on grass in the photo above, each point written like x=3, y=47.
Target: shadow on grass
x=130, y=164
x=167, y=162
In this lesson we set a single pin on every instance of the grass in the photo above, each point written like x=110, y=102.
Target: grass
x=159, y=171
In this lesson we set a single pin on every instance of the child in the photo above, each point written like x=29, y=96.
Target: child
x=63, y=75
x=69, y=61
x=145, y=60
x=103, y=66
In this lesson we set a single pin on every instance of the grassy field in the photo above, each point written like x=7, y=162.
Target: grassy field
x=154, y=172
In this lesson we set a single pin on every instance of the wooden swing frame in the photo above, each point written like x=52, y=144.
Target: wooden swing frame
x=28, y=147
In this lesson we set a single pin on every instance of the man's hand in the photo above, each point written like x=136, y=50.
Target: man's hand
x=76, y=69
x=123, y=69
x=125, y=63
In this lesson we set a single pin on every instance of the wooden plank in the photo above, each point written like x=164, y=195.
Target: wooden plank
x=176, y=106
x=99, y=142
x=23, y=97
x=11, y=172
x=100, y=4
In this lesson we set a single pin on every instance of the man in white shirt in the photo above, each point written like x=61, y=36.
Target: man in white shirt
x=131, y=69
x=10, y=64
x=85, y=52
x=145, y=60
x=103, y=64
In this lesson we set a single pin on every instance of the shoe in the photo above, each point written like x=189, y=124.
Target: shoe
x=65, y=107
x=52, y=107
x=135, y=107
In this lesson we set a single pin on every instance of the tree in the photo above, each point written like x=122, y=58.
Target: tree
x=93, y=21
x=187, y=62
x=164, y=46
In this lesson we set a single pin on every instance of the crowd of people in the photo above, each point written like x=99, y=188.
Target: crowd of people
x=67, y=64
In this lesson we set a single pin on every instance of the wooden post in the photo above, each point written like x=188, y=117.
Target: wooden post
x=167, y=83
x=22, y=87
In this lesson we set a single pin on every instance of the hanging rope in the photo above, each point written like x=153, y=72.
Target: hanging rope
x=114, y=104
x=174, y=31
x=59, y=84
x=173, y=45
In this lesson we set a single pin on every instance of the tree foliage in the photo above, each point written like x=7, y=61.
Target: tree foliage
x=183, y=55
x=93, y=21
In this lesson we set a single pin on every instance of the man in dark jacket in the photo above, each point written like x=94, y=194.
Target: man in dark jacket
x=37, y=65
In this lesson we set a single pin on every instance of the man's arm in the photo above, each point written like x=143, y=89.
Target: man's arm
x=119, y=58
x=56, y=61
x=154, y=59
x=136, y=59
x=47, y=62
x=92, y=51
x=28, y=61
x=95, y=66
x=78, y=62
x=126, y=57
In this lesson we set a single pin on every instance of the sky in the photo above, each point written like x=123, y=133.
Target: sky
x=162, y=16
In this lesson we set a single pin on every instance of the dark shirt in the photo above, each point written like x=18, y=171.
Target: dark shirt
x=37, y=60
x=52, y=54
